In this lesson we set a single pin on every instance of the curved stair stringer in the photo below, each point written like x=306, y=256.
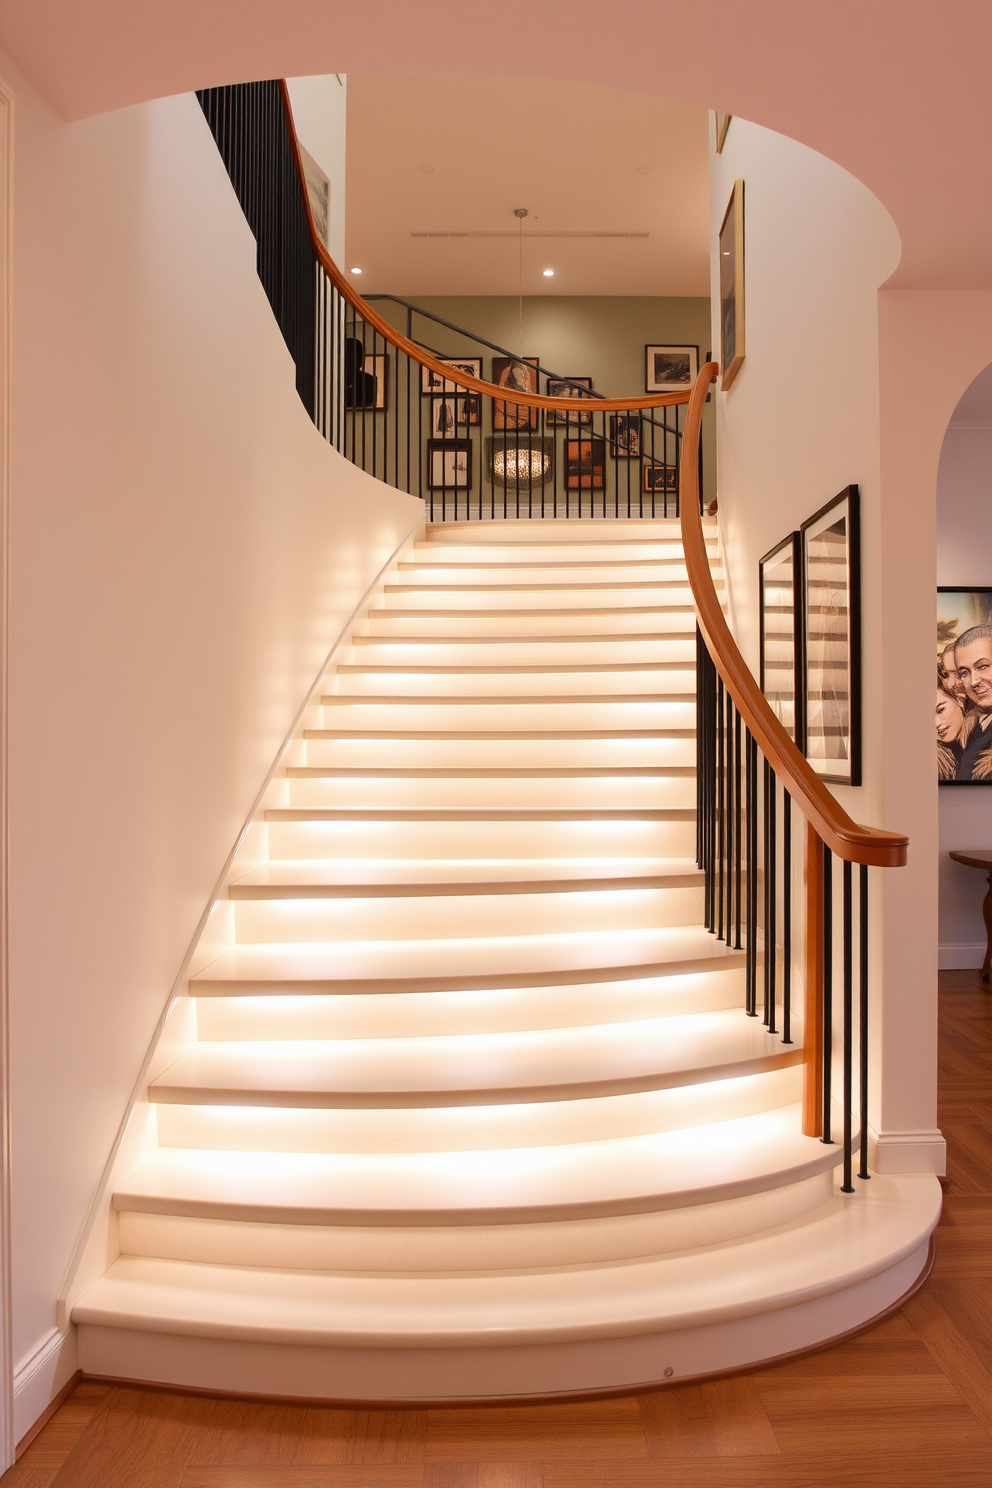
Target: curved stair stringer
x=474, y=1109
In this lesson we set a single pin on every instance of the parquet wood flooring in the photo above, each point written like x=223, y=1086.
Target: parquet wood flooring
x=907, y=1404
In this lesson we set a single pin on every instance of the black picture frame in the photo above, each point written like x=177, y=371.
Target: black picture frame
x=565, y=387
x=961, y=756
x=585, y=463
x=781, y=660
x=521, y=373
x=659, y=478
x=670, y=369
x=449, y=464
x=448, y=414
x=626, y=436
x=831, y=595
x=374, y=365
x=431, y=384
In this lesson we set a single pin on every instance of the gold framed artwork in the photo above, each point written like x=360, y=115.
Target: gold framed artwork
x=732, y=287
x=722, y=122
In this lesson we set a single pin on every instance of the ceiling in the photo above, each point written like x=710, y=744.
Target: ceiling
x=450, y=153
x=975, y=407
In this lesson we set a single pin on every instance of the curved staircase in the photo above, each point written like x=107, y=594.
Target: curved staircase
x=475, y=1109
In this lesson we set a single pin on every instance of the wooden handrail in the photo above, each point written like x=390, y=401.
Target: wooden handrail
x=417, y=353
x=843, y=836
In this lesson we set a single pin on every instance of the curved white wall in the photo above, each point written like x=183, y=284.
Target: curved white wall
x=184, y=550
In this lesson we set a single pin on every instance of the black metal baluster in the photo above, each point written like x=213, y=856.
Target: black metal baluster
x=828, y=989
x=863, y=1000
x=786, y=917
x=771, y=876
x=731, y=782
x=720, y=814
x=737, y=832
x=848, y=1032
x=752, y=877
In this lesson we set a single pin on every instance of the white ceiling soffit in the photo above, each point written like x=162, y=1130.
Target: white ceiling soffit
x=456, y=153
x=974, y=411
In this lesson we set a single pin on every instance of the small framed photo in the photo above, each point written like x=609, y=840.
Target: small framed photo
x=521, y=374
x=659, y=478
x=722, y=125
x=585, y=464
x=449, y=464
x=670, y=369
x=625, y=436
x=448, y=413
x=964, y=686
x=780, y=602
x=732, y=287
x=375, y=393
x=568, y=387
x=433, y=382
x=319, y=194
x=831, y=599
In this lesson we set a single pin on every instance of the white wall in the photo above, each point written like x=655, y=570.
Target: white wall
x=320, y=106
x=964, y=556
x=799, y=423
x=184, y=549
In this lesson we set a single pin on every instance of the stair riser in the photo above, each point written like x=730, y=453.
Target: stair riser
x=481, y=839
x=290, y=920
x=527, y=651
x=474, y=1128
x=512, y=753
x=593, y=621
x=510, y=715
x=647, y=792
x=466, y=1248
x=518, y=569
x=516, y=684
x=410, y=596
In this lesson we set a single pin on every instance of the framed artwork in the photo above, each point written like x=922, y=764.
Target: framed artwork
x=732, y=287
x=585, y=464
x=722, y=125
x=319, y=194
x=964, y=686
x=449, y=464
x=670, y=369
x=625, y=436
x=571, y=387
x=519, y=373
x=831, y=597
x=378, y=365
x=433, y=382
x=660, y=477
x=781, y=631
x=448, y=413
x=371, y=366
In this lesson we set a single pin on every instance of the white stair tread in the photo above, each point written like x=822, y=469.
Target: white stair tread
x=629, y=1175
x=851, y=1239
x=502, y=700
x=476, y=964
x=477, y=1069
x=617, y=638
x=491, y=772
x=480, y=814
x=317, y=878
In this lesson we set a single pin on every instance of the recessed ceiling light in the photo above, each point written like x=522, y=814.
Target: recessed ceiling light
x=549, y=273
x=356, y=271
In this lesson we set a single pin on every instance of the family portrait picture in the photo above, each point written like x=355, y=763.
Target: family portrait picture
x=964, y=686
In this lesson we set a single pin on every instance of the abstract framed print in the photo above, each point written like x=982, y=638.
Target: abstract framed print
x=568, y=387
x=670, y=369
x=521, y=374
x=449, y=464
x=433, y=382
x=625, y=436
x=964, y=686
x=781, y=630
x=585, y=464
x=831, y=638
x=732, y=287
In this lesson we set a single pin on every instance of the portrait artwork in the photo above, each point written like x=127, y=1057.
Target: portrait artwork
x=521, y=374
x=964, y=686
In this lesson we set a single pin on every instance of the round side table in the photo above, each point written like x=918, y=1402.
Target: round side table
x=982, y=860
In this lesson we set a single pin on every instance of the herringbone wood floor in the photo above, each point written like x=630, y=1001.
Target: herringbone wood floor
x=905, y=1405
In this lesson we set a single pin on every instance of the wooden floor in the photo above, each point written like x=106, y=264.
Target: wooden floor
x=908, y=1403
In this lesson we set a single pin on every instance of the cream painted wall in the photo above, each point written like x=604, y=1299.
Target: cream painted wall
x=964, y=556
x=320, y=109
x=800, y=422
x=184, y=549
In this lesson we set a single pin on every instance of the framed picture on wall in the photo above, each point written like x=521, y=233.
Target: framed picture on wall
x=370, y=382
x=659, y=477
x=319, y=195
x=585, y=464
x=780, y=602
x=569, y=387
x=625, y=436
x=519, y=373
x=732, y=287
x=449, y=464
x=831, y=598
x=964, y=686
x=722, y=125
x=448, y=413
x=433, y=382
x=670, y=369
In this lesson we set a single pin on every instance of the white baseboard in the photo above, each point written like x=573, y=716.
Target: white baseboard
x=40, y=1376
x=960, y=957
x=907, y=1152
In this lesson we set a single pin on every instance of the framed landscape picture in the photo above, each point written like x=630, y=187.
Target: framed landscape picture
x=779, y=599
x=964, y=686
x=433, y=382
x=585, y=464
x=568, y=388
x=449, y=464
x=670, y=369
x=732, y=287
x=831, y=609
x=660, y=477
x=519, y=373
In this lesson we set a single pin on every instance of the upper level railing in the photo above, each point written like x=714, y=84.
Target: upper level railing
x=525, y=443
x=476, y=448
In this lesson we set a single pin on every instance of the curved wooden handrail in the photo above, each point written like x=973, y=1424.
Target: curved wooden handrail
x=417, y=353
x=843, y=836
